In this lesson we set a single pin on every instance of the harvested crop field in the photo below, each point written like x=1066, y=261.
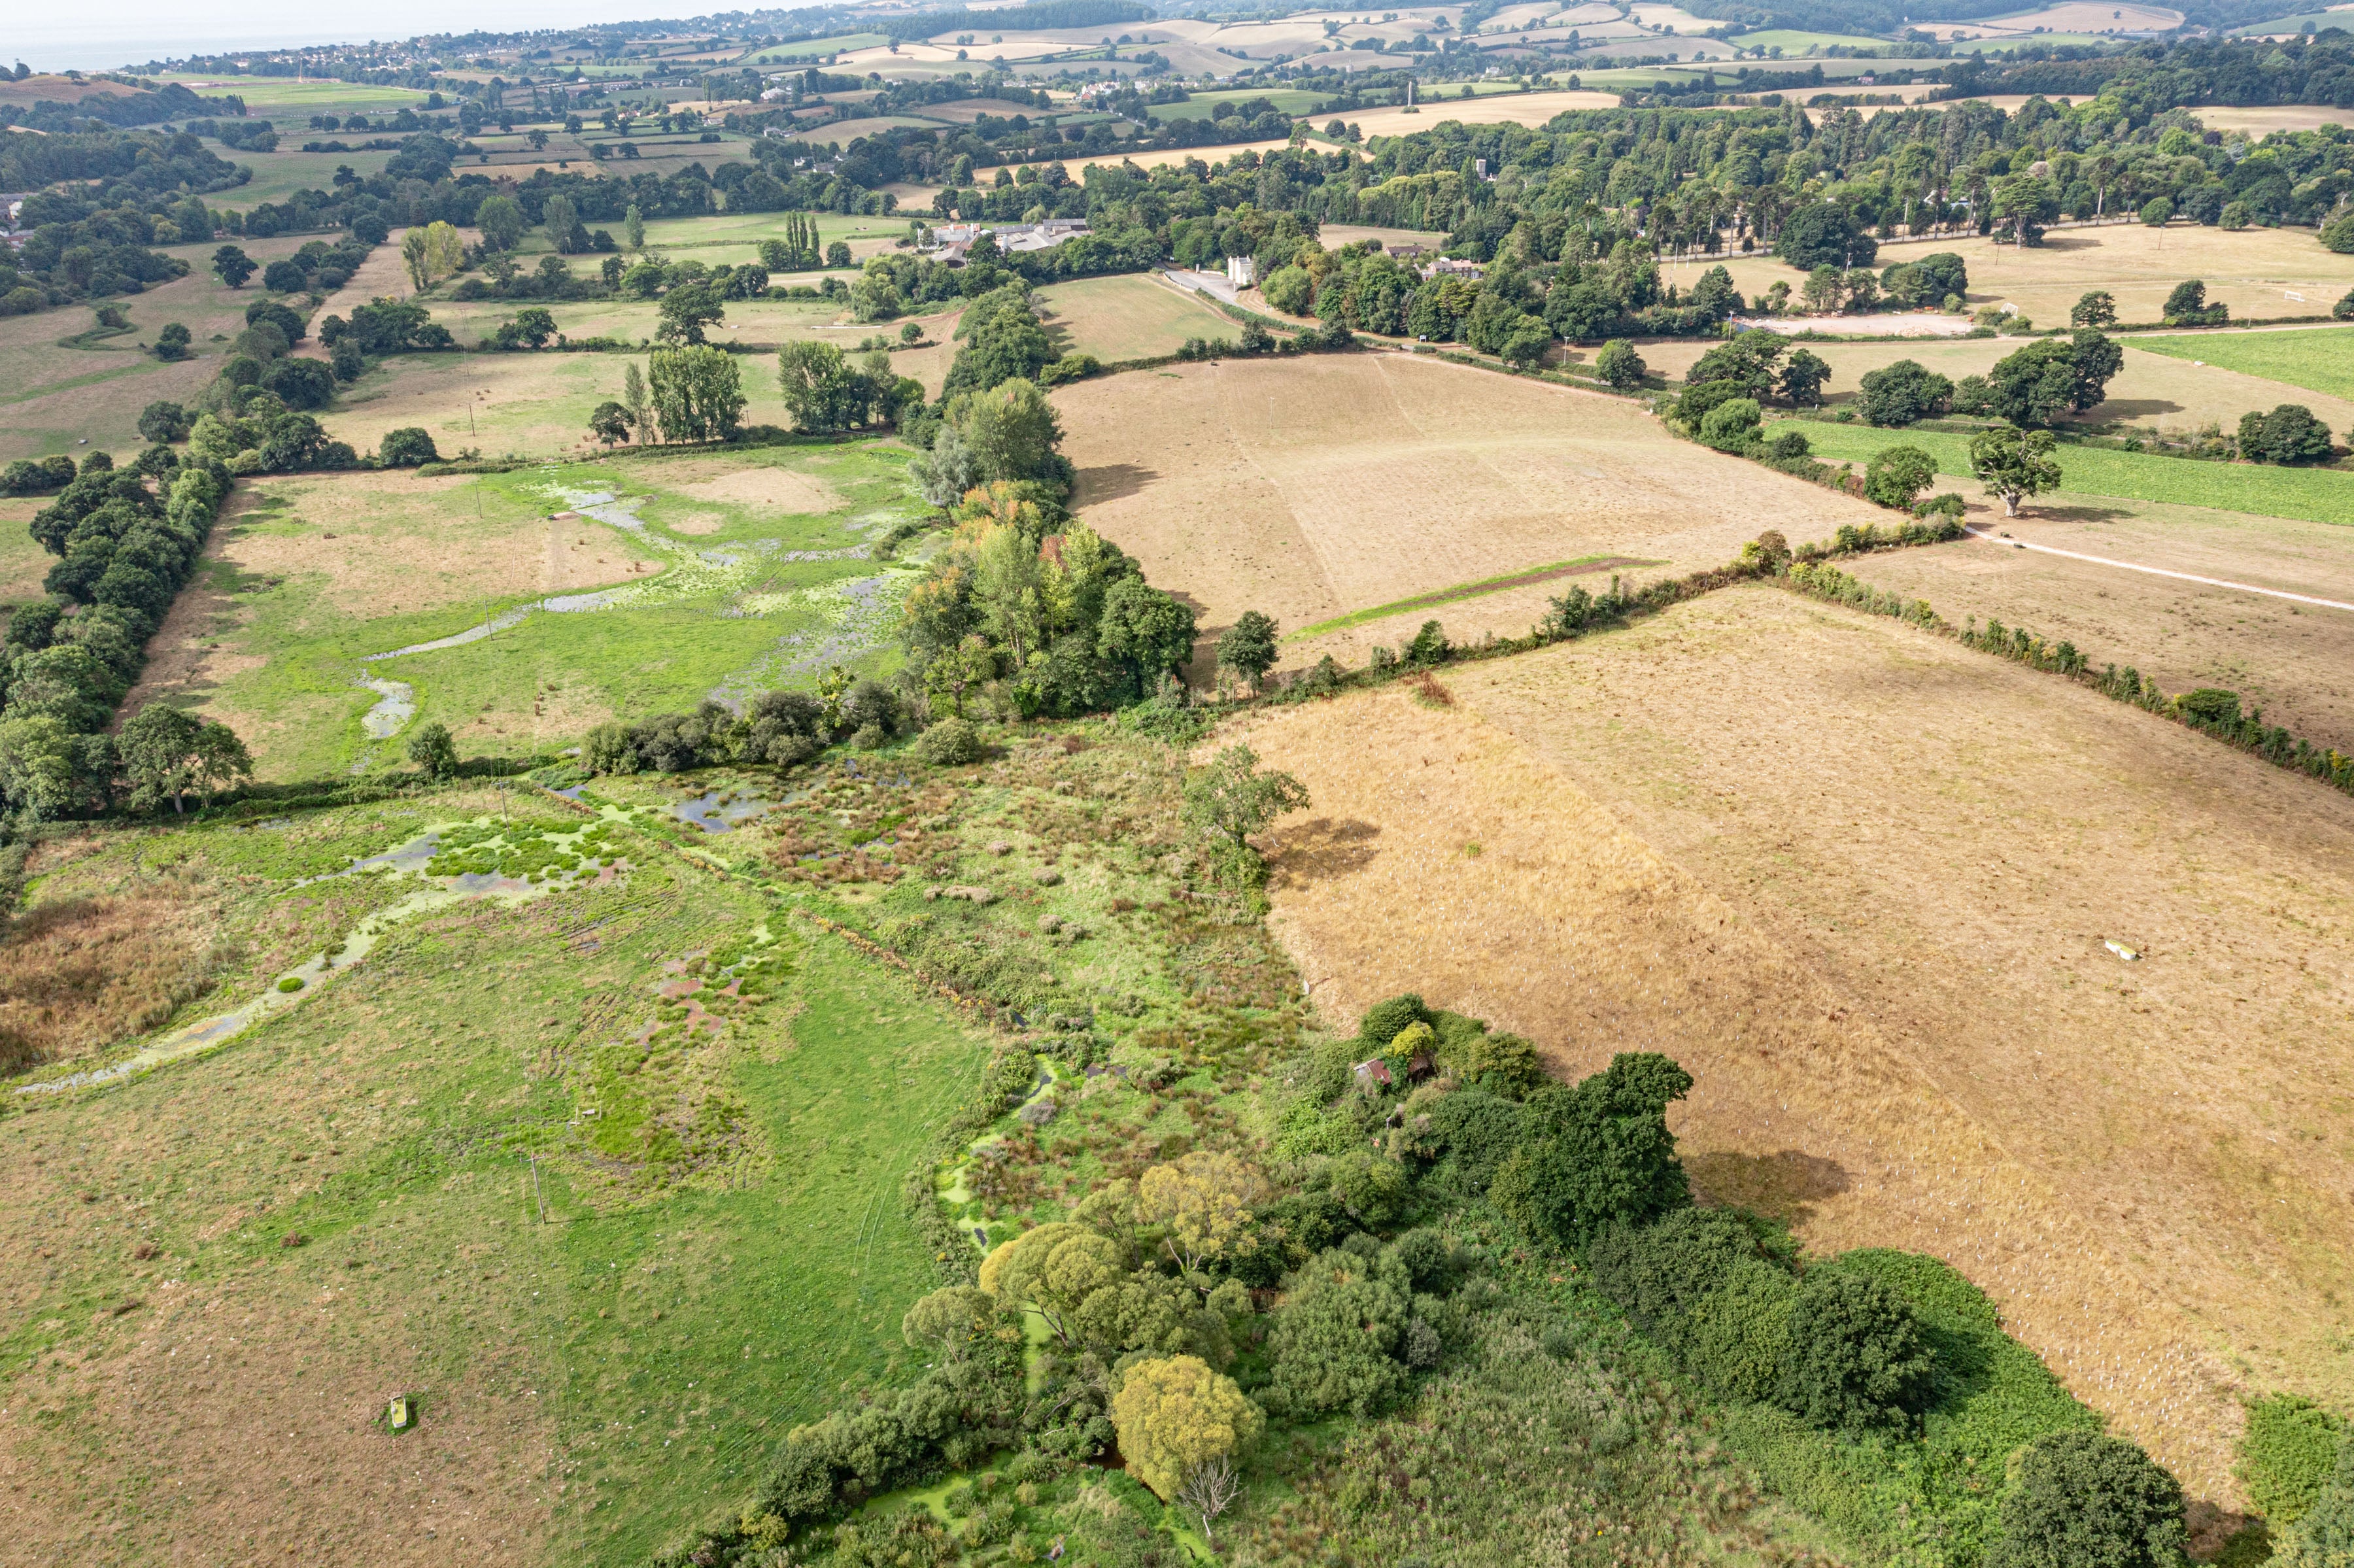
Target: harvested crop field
x=2253, y=270
x=1881, y=952
x=2291, y=660
x=1313, y=488
x=1501, y=109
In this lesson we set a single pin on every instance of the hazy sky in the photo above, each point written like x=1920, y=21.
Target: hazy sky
x=127, y=32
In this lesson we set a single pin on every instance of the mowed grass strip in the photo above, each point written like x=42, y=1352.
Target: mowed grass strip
x=1468, y=590
x=2320, y=361
x=2310, y=494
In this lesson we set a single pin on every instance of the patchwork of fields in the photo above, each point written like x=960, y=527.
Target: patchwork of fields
x=58, y=395
x=618, y=1118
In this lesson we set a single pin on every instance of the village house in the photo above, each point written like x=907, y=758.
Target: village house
x=951, y=240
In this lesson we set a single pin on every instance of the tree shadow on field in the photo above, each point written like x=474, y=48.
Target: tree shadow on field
x=1321, y=848
x=1112, y=482
x=2081, y=514
x=2136, y=409
x=1784, y=1185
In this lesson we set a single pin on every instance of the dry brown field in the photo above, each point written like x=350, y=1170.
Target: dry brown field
x=2251, y=270
x=23, y=563
x=1858, y=880
x=2263, y=121
x=2151, y=389
x=1333, y=236
x=1313, y=488
x=537, y=405
x=1131, y=316
x=1501, y=109
x=1077, y=167
x=966, y=111
x=2070, y=16
x=60, y=89
x=2292, y=659
x=382, y=542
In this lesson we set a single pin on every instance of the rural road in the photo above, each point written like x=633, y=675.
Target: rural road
x=1201, y=281
x=2160, y=571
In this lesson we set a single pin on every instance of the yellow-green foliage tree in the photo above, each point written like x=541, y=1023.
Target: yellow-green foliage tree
x=1078, y=1282
x=1176, y=1415
x=1202, y=1202
x=1052, y=1271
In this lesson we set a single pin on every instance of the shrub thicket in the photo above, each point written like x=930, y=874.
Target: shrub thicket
x=1855, y=1356
x=2079, y=1498
x=2287, y=1456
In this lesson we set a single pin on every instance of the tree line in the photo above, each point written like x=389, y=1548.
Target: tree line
x=126, y=538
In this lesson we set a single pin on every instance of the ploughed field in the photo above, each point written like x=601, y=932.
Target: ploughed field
x=1861, y=882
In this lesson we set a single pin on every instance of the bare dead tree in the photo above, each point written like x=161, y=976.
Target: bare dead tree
x=1210, y=1488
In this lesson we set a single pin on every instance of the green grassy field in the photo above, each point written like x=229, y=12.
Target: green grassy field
x=812, y=47
x=723, y=1252
x=1203, y=105
x=2299, y=23
x=2314, y=495
x=277, y=176
x=735, y=236
x=759, y=568
x=1795, y=43
x=23, y=562
x=2320, y=361
x=276, y=98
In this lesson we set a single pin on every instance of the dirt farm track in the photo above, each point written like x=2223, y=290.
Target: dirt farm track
x=1883, y=955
